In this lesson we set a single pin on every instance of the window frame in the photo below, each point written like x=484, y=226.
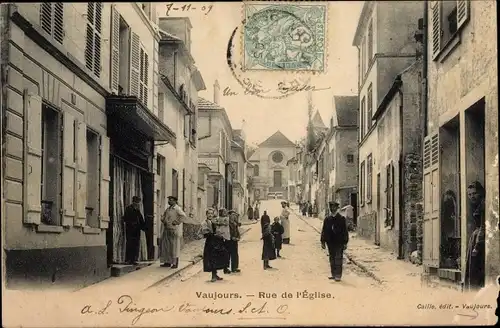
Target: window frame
x=362, y=183
x=369, y=178
x=143, y=75
x=93, y=50
x=369, y=108
x=362, y=119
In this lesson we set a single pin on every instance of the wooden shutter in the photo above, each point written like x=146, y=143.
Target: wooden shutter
x=436, y=28
x=33, y=198
x=104, y=183
x=135, y=64
x=115, y=50
x=68, y=170
x=82, y=161
x=431, y=240
x=97, y=38
x=462, y=13
x=52, y=19
x=145, y=81
x=58, y=30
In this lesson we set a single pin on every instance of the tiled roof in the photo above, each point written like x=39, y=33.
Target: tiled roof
x=317, y=121
x=346, y=108
x=204, y=104
x=277, y=140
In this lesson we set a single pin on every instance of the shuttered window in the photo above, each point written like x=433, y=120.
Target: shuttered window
x=115, y=50
x=389, y=195
x=431, y=188
x=362, y=119
x=52, y=19
x=175, y=183
x=135, y=65
x=93, y=39
x=143, y=77
x=369, y=113
x=362, y=183
x=369, y=178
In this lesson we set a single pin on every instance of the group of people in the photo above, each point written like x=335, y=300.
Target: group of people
x=253, y=212
x=307, y=208
x=275, y=234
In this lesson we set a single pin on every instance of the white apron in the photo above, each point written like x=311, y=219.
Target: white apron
x=285, y=222
x=170, y=242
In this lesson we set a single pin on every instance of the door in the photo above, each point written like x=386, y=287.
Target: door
x=431, y=226
x=354, y=204
x=277, y=178
x=148, y=203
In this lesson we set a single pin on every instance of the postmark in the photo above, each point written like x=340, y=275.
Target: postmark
x=284, y=37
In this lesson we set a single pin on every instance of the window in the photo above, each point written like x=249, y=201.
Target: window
x=236, y=170
x=256, y=171
x=92, y=179
x=52, y=19
x=370, y=42
x=447, y=18
x=51, y=165
x=161, y=107
x=143, y=77
x=369, y=178
x=350, y=158
x=362, y=183
x=93, y=41
x=362, y=120
x=389, y=196
x=175, y=183
x=363, y=56
x=369, y=113
x=186, y=126
x=277, y=157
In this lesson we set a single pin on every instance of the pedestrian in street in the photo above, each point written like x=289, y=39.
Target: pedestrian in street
x=134, y=223
x=277, y=231
x=309, y=209
x=256, y=211
x=304, y=209
x=170, y=245
x=335, y=235
x=250, y=212
x=268, y=252
x=285, y=222
x=232, y=244
x=265, y=219
x=222, y=225
x=215, y=255
x=475, y=262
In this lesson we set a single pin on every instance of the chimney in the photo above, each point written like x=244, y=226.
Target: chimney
x=216, y=92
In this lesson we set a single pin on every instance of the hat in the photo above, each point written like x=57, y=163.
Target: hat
x=232, y=212
x=283, y=202
x=172, y=197
x=333, y=203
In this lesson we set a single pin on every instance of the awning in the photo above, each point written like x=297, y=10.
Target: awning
x=130, y=110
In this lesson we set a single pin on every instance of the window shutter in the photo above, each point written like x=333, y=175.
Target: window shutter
x=115, y=49
x=81, y=190
x=436, y=28
x=135, y=64
x=145, y=80
x=52, y=19
x=68, y=173
x=58, y=21
x=462, y=13
x=104, y=183
x=33, y=110
x=97, y=38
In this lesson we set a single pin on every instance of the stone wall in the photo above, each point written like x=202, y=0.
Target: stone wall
x=366, y=225
x=413, y=206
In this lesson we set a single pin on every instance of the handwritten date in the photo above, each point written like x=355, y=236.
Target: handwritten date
x=188, y=8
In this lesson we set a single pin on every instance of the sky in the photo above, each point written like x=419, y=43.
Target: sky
x=260, y=118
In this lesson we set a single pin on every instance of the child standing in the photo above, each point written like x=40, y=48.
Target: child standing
x=277, y=230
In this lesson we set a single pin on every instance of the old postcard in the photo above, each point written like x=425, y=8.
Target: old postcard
x=255, y=163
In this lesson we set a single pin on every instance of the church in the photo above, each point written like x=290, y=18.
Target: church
x=269, y=171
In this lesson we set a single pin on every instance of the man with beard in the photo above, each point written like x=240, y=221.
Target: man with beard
x=335, y=235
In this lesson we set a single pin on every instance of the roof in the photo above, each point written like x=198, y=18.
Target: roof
x=277, y=140
x=317, y=121
x=346, y=108
x=250, y=153
x=168, y=37
x=204, y=104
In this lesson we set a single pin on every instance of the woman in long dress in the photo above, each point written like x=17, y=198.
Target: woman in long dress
x=268, y=253
x=215, y=255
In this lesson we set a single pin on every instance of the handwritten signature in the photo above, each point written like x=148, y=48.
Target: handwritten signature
x=255, y=87
x=126, y=305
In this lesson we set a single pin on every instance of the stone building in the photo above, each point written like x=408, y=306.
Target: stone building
x=385, y=40
x=214, y=142
x=461, y=134
x=270, y=172
x=179, y=83
x=239, y=164
x=71, y=95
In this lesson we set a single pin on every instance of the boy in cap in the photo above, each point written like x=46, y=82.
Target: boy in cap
x=335, y=235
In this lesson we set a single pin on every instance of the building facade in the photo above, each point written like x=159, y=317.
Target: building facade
x=239, y=164
x=214, y=141
x=270, y=172
x=386, y=46
x=462, y=123
x=65, y=87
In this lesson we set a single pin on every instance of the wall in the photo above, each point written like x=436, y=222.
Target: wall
x=346, y=143
x=456, y=82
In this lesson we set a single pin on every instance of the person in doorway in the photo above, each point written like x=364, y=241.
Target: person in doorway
x=335, y=235
x=475, y=262
x=134, y=223
x=268, y=252
x=232, y=244
x=250, y=212
x=222, y=228
x=285, y=222
x=170, y=246
x=265, y=219
x=277, y=231
x=215, y=255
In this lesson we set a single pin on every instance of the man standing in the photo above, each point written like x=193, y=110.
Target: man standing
x=134, y=223
x=285, y=222
x=336, y=237
x=170, y=246
x=232, y=244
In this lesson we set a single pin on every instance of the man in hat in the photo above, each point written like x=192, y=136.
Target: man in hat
x=334, y=235
x=134, y=223
x=170, y=242
x=285, y=222
x=232, y=244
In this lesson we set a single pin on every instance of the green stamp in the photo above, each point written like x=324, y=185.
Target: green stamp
x=284, y=37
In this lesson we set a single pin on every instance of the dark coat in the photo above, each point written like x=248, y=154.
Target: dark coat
x=334, y=232
x=265, y=219
x=268, y=250
x=277, y=230
x=133, y=218
x=475, y=265
x=215, y=254
x=256, y=213
x=250, y=213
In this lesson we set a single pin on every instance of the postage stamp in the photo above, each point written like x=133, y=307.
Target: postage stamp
x=284, y=36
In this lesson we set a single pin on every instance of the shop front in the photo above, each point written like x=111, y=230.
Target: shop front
x=133, y=131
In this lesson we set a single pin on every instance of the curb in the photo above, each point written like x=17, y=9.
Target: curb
x=198, y=258
x=349, y=256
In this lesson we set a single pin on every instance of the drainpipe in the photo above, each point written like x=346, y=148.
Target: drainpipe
x=209, y=129
x=400, y=171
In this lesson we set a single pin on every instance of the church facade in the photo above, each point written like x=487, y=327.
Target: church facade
x=269, y=171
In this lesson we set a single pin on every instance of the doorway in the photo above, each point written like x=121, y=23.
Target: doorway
x=353, y=200
x=277, y=179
